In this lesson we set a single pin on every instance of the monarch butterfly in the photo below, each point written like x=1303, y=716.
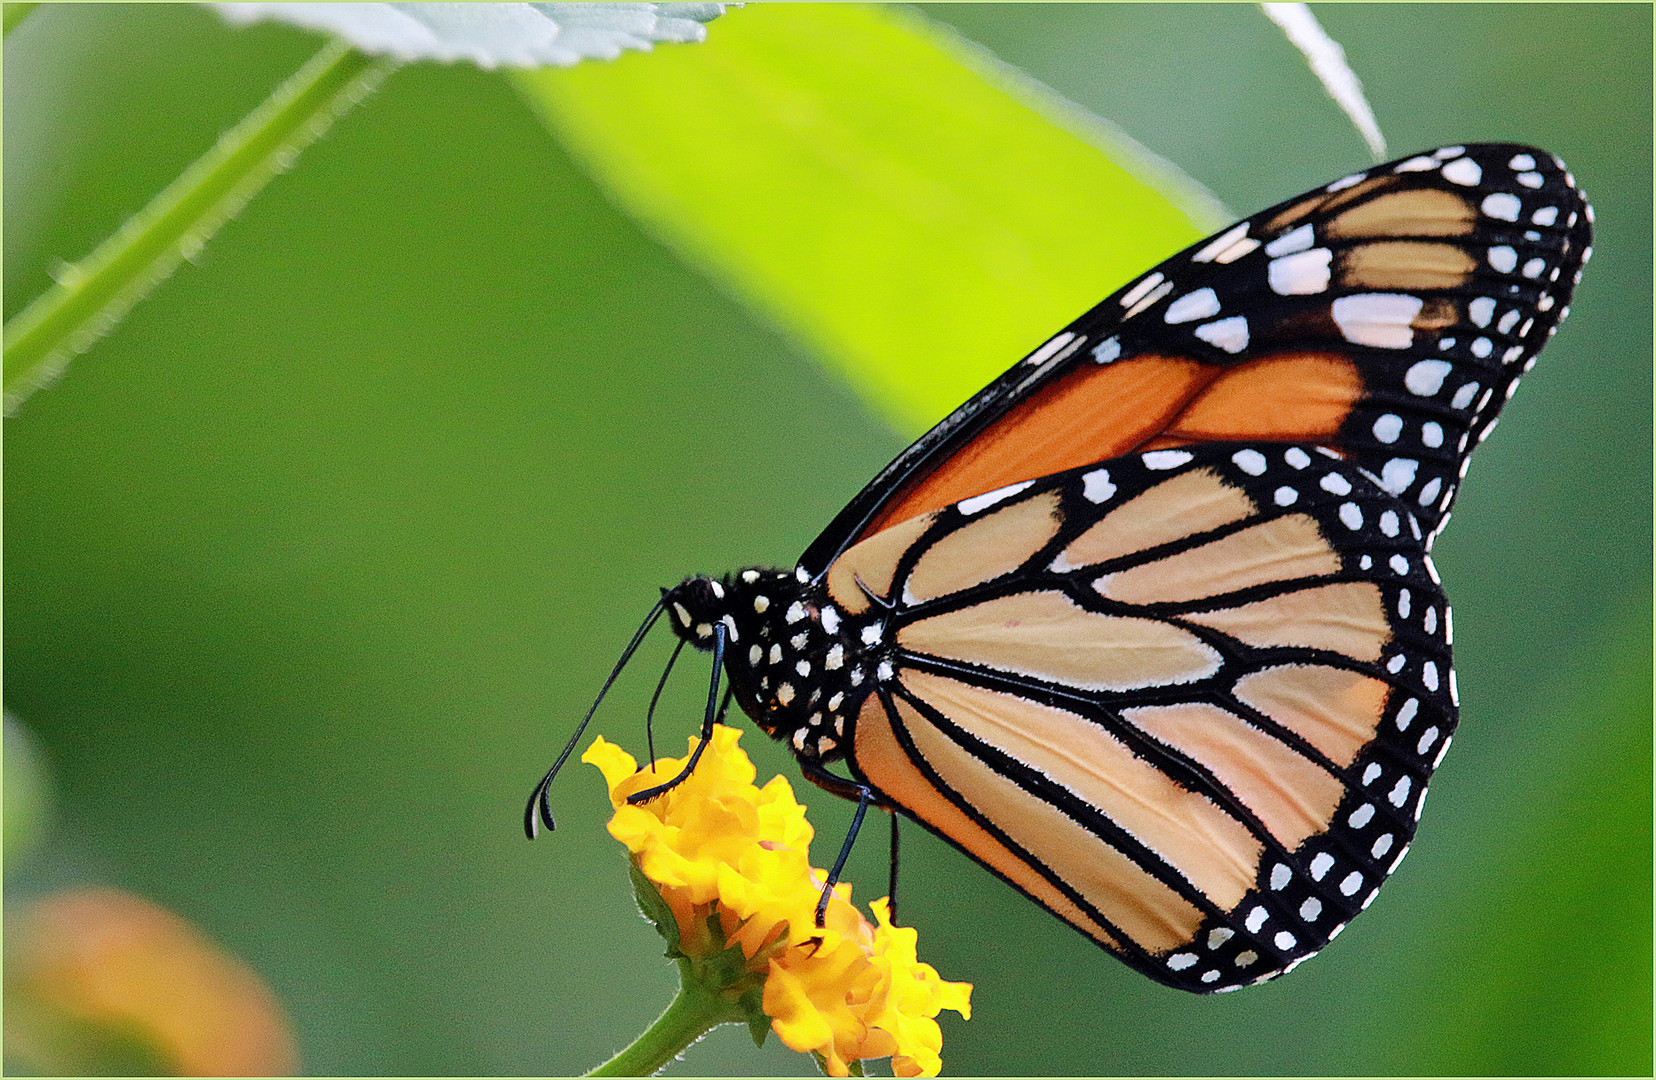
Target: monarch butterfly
x=1149, y=627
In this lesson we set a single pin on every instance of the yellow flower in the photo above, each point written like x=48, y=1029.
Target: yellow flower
x=731, y=862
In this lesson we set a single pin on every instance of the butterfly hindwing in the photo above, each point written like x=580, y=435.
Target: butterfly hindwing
x=1187, y=699
x=1387, y=315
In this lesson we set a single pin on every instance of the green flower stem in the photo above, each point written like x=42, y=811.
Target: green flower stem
x=696, y=1010
x=91, y=297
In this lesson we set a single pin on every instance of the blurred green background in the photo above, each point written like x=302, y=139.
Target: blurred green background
x=314, y=562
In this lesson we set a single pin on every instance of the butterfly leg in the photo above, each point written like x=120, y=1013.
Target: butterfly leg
x=639, y=797
x=864, y=795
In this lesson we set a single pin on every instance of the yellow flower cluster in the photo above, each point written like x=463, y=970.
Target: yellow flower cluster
x=726, y=854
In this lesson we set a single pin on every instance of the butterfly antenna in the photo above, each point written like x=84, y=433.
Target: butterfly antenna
x=649, y=717
x=639, y=797
x=540, y=803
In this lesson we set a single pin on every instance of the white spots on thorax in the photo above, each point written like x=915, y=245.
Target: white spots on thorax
x=872, y=633
x=884, y=671
x=730, y=627
x=1361, y=816
x=1227, y=247
x=1296, y=457
x=1380, y=320
x=834, y=660
x=1198, y=304
x=1303, y=273
x=801, y=576
x=1097, y=487
x=1531, y=179
x=795, y=612
x=1547, y=215
x=1425, y=377
x=1397, y=474
x=1298, y=239
x=1463, y=397
x=1251, y=462
x=1162, y=460
x=830, y=617
x=750, y=576
x=1335, y=484
x=1463, y=171
x=1388, y=428
x=1285, y=496
x=1052, y=346
x=1502, y=206
x=1407, y=713
x=990, y=498
x=681, y=614
x=1503, y=258
x=704, y=630
x=1107, y=351
x=761, y=604
x=1388, y=522
x=1229, y=334
x=1321, y=864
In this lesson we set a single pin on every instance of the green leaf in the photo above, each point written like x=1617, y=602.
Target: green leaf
x=916, y=213
x=654, y=908
x=492, y=35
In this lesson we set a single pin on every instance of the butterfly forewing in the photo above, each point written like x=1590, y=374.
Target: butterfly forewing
x=1188, y=700
x=1386, y=315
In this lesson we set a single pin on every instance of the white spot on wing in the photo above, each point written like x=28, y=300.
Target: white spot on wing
x=1397, y=474
x=1503, y=258
x=1049, y=348
x=1387, y=428
x=1299, y=239
x=1416, y=164
x=1425, y=377
x=1137, y=292
x=1097, y=486
x=1502, y=206
x=1251, y=462
x=1167, y=459
x=1481, y=310
x=1213, y=248
x=1199, y=304
x=1229, y=334
x=1107, y=351
x=987, y=499
x=1463, y=171
x=1303, y=273
x=1381, y=320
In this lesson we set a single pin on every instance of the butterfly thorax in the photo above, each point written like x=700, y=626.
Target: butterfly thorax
x=798, y=665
